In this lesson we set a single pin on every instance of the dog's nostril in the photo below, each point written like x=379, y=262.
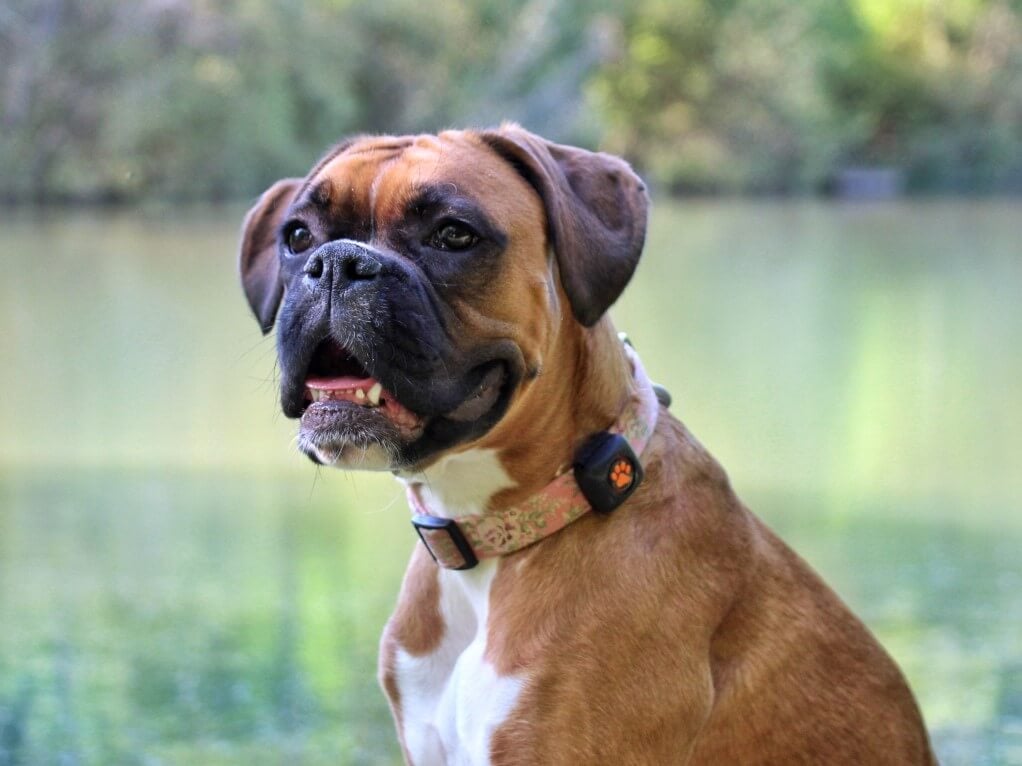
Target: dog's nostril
x=314, y=267
x=362, y=267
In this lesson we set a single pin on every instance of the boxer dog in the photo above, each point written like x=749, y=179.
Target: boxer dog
x=588, y=589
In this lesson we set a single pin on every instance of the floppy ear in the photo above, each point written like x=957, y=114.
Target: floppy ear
x=260, y=272
x=596, y=210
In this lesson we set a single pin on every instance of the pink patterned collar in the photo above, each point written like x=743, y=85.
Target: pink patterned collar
x=459, y=544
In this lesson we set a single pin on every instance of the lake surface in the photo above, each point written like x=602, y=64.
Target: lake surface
x=178, y=586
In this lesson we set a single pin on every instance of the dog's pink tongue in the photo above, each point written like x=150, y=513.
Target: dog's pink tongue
x=342, y=383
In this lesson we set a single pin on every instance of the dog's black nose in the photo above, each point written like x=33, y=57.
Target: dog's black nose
x=338, y=264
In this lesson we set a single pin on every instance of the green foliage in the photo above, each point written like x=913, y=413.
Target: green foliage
x=187, y=99
x=776, y=95
x=172, y=98
x=942, y=85
x=729, y=95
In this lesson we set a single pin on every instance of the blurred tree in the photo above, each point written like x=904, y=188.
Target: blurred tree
x=487, y=61
x=216, y=98
x=183, y=98
x=53, y=89
x=104, y=99
x=236, y=100
x=723, y=95
x=938, y=86
x=771, y=95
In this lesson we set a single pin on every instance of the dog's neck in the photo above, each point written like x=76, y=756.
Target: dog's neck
x=581, y=389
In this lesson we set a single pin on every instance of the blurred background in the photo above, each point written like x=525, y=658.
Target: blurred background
x=831, y=290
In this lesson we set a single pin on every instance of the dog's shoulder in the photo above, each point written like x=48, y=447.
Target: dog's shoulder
x=687, y=502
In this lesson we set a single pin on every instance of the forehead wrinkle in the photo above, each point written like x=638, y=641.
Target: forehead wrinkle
x=405, y=174
x=424, y=178
x=355, y=176
x=374, y=187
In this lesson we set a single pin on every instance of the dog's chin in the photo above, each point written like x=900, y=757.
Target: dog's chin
x=345, y=435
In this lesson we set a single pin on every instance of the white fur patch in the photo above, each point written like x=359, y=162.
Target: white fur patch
x=461, y=484
x=452, y=700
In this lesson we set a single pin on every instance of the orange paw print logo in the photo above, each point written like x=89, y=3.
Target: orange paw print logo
x=621, y=475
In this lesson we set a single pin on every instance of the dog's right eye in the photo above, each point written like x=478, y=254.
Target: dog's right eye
x=453, y=236
x=299, y=239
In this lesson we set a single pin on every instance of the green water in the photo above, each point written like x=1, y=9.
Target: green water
x=177, y=586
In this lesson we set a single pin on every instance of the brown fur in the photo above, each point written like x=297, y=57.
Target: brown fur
x=679, y=629
x=688, y=633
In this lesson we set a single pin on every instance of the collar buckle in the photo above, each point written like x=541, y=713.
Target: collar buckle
x=445, y=541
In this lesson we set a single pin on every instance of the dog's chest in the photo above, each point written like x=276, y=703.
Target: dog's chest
x=451, y=699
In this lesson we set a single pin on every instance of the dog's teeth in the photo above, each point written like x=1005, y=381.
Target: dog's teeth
x=374, y=394
x=360, y=394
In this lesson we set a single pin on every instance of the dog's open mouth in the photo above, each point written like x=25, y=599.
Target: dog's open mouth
x=347, y=411
x=336, y=376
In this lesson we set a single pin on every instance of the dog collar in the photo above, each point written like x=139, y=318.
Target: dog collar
x=605, y=473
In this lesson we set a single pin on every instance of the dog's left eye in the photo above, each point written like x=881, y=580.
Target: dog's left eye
x=453, y=236
x=299, y=239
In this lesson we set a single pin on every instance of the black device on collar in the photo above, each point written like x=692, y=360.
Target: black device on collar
x=607, y=471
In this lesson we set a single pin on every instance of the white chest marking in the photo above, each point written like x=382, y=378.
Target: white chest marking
x=460, y=484
x=452, y=700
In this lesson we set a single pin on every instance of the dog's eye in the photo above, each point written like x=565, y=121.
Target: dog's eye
x=453, y=236
x=299, y=239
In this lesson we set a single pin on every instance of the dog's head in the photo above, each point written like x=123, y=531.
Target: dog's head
x=418, y=282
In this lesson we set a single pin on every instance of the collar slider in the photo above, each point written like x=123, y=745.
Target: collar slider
x=445, y=541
